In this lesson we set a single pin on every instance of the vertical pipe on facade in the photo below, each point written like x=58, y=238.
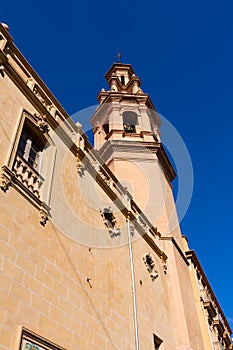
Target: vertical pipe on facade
x=133, y=285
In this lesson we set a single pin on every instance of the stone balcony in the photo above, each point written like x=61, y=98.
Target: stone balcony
x=28, y=176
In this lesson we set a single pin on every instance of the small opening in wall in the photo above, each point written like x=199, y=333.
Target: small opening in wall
x=130, y=129
x=157, y=342
x=109, y=218
x=106, y=128
x=122, y=80
x=130, y=120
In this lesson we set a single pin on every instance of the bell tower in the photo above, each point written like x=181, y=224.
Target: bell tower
x=125, y=113
x=127, y=137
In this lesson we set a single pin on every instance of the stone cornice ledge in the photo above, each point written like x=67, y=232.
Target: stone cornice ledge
x=190, y=254
x=173, y=241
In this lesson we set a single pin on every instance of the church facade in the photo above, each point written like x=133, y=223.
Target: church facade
x=91, y=254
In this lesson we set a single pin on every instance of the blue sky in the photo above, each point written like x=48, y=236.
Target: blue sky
x=183, y=53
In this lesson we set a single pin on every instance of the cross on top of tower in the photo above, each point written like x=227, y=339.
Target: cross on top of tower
x=119, y=56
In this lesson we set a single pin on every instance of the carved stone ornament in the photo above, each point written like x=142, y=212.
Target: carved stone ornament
x=44, y=214
x=100, y=171
x=42, y=123
x=30, y=83
x=165, y=268
x=43, y=217
x=150, y=265
x=80, y=167
x=5, y=178
x=154, y=275
x=110, y=222
x=4, y=183
x=114, y=232
x=8, y=50
x=79, y=126
x=108, y=217
x=41, y=96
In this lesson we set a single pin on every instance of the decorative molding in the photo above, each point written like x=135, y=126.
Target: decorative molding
x=41, y=96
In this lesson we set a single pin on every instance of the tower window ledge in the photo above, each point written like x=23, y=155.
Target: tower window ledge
x=144, y=132
x=113, y=131
x=131, y=134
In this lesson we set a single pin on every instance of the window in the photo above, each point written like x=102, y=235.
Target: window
x=157, y=342
x=28, y=160
x=30, y=148
x=106, y=128
x=29, y=168
x=130, y=120
x=122, y=80
x=31, y=341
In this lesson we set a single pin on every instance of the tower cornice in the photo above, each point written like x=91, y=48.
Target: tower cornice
x=112, y=96
x=119, y=65
x=138, y=151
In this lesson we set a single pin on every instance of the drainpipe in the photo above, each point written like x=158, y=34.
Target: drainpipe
x=133, y=285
